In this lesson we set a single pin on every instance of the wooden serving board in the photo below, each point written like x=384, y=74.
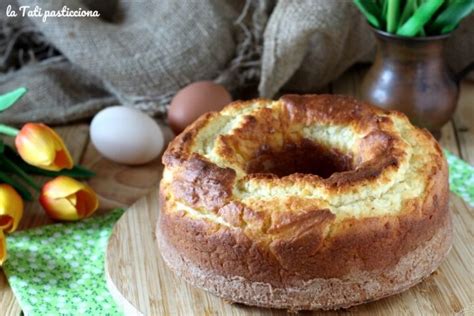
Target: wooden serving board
x=142, y=284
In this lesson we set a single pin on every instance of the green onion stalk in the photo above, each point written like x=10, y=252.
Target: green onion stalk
x=415, y=18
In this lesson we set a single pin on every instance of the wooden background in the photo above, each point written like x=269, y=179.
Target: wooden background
x=119, y=185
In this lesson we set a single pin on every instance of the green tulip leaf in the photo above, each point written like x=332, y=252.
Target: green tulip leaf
x=370, y=11
x=450, y=18
x=9, y=98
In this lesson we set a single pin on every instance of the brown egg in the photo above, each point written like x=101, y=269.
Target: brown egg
x=194, y=100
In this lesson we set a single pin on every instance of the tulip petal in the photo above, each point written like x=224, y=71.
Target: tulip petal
x=60, y=209
x=11, y=208
x=6, y=222
x=87, y=203
x=3, y=248
x=72, y=199
x=63, y=160
x=62, y=187
x=35, y=145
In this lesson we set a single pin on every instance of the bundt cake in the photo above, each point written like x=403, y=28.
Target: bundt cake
x=307, y=202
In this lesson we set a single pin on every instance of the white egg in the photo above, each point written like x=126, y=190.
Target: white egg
x=126, y=135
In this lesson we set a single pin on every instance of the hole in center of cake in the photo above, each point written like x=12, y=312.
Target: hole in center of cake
x=303, y=157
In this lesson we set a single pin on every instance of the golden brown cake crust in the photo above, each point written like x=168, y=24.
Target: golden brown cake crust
x=223, y=209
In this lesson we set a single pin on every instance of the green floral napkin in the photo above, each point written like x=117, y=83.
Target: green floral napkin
x=461, y=177
x=59, y=269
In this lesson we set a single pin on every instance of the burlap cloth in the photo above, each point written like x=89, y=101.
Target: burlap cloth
x=140, y=52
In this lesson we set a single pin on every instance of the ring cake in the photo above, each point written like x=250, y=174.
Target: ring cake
x=308, y=202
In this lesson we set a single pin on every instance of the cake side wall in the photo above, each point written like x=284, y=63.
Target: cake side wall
x=356, y=288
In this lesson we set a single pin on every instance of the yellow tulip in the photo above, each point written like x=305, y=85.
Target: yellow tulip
x=11, y=211
x=3, y=248
x=42, y=147
x=64, y=198
x=11, y=208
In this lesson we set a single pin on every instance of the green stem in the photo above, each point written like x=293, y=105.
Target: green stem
x=408, y=10
x=393, y=7
x=418, y=20
x=8, y=130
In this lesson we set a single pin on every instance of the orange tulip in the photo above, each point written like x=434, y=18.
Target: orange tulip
x=42, y=147
x=64, y=198
x=11, y=211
